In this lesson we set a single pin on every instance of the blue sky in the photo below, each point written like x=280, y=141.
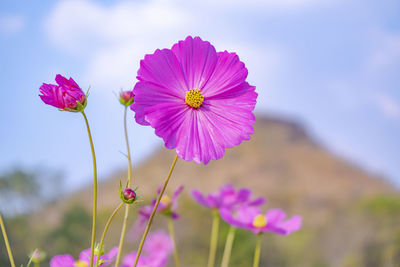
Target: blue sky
x=333, y=64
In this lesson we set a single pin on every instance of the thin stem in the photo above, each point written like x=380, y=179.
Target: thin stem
x=228, y=247
x=125, y=222
x=103, y=236
x=94, y=191
x=214, y=239
x=3, y=230
x=172, y=233
x=146, y=231
x=36, y=264
x=257, y=252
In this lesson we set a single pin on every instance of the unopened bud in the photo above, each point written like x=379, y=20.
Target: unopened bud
x=38, y=256
x=126, y=98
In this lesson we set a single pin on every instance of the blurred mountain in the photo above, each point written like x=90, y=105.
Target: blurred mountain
x=350, y=216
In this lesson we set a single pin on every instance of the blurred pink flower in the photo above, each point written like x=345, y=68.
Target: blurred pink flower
x=197, y=100
x=167, y=207
x=156, y=251
x=67, y=260
x=251, y=218
x=227, y=198
x=66, y=95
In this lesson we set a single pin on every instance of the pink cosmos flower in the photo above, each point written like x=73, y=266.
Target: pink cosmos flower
x=67, y=260
x=227, y=198
x=167, y=207
x=156, y=251
x=66, y=95
x=196, y=99
x=251, y=218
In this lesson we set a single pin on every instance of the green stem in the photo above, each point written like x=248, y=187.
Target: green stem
x=257, y=252
x=146, y=231
x=3, y=230
x=103, y=236
x=36, y=264
x=125, y=222
x=228, y=247
x=214, y=239
x=172, y=233
x=94, y=191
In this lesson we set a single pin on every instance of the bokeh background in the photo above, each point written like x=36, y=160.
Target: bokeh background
x=327, y=138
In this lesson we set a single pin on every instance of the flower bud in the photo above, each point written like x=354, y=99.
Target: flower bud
x=66, y=95
x=127, y=195
x=38, y=256
x=126, y=98
x=99, y=251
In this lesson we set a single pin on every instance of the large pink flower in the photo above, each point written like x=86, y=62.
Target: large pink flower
x=196, y=99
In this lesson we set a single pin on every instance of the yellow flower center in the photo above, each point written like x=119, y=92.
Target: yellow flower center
x=81, y=264
x=166, y=200
x=260, y=221
x=194, y=98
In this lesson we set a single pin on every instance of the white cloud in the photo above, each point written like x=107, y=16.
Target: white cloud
x=385, y=51
x=11, y=23
x=76, y=23
x=272, y=5
x=387, y=105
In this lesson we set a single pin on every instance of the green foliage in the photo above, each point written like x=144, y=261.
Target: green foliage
x=73, y=234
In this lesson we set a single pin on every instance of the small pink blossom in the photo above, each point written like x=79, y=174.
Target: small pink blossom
x=253, y=219
x=227, y=198
x=66, y=95
x=156, y=251
x=67, y=260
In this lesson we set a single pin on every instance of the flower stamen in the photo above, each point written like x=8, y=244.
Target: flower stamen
x=260, y=221
x=81, y=264
x=194, y=98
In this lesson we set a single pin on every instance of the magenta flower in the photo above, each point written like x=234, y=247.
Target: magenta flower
x=156, y=251
x=227, y=198
x=251, y=218
x=168, y=207
x=67, y=260
x=66, y=95
x=196, y=99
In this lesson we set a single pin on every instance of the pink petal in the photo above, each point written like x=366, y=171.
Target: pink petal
x=148, y=95
x=167, y=119
x=163, y=69
x=229, y=73
x=65, y=260
x=275, y=216
x=198, y=59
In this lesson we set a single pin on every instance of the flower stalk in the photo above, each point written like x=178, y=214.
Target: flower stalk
x=94, y=191
x=124, y=224
x=257, y=251
x=228, y=247
x=172, y=233
x=214, y=239
x=146, y=231
x=3, y=230
x=103, y=236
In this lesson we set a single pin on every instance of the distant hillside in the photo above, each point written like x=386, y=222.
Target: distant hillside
x=281, y=162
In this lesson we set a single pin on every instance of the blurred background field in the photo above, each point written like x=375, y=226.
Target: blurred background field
x=326, y=143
